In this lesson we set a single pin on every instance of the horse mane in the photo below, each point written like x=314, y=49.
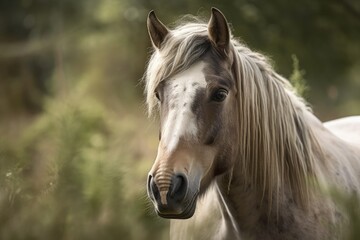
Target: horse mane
x=276, y=144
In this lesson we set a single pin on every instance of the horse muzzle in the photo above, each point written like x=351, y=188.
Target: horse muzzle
x=172, y=196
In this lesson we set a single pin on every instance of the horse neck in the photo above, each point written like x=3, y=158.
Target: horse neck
x=239, y=201
x=269, y=178
x=245, y=206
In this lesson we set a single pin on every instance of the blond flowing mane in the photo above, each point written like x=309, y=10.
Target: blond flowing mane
x=276, y=143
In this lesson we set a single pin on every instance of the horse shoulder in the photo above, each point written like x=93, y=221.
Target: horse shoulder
x=341, y=145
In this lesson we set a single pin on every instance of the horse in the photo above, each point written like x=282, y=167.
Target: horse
x=240, y=154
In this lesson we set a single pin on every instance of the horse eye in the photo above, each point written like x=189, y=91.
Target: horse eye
x=157, y=95
x=219, y=95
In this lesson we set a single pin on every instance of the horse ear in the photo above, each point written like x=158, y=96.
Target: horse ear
x=218, y=29
x=156, y=29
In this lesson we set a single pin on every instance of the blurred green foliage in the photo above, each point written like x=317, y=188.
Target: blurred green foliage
x=71, y=177
x=297, y=78
x=75, y=145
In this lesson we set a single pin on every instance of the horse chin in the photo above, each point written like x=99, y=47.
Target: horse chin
x=185, y=213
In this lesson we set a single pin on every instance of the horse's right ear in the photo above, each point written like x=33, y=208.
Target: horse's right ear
x=156, y=29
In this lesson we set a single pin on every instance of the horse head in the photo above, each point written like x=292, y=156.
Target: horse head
x=196, y=98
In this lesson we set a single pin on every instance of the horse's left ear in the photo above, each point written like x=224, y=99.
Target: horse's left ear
x=156, y=29
x=219, y=30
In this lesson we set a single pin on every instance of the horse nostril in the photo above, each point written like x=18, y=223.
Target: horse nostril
x=178, y=187
x=176, y=184
x=152, y=188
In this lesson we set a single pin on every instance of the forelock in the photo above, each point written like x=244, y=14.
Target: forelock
x=182, y=47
